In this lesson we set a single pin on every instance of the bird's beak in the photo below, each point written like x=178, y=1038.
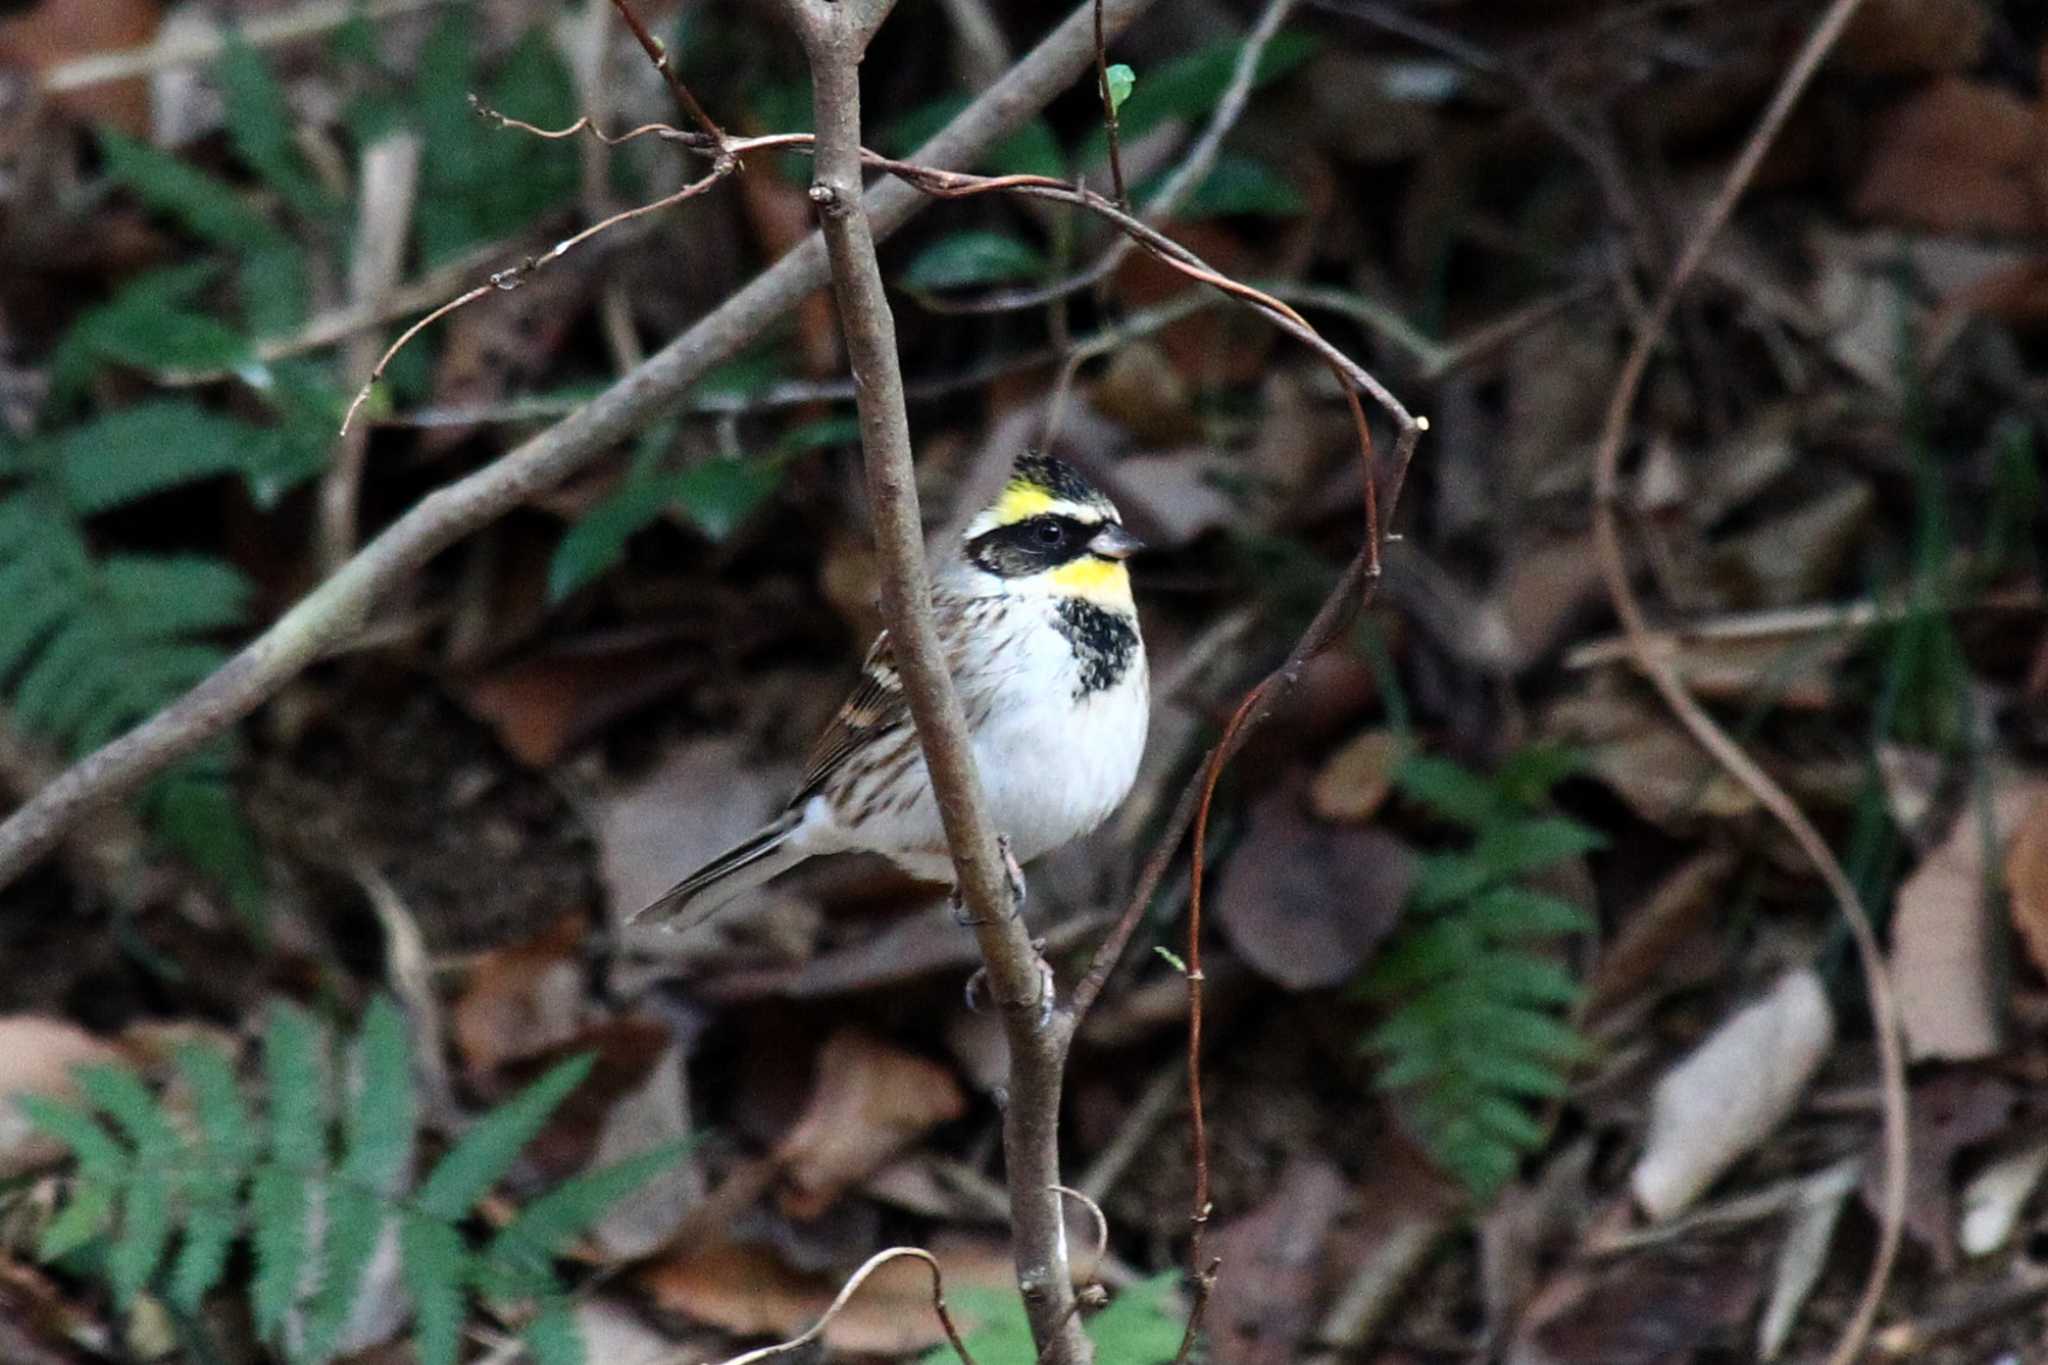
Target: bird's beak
x=1114, y=542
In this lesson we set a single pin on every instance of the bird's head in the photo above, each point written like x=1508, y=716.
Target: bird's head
x=1052, y=531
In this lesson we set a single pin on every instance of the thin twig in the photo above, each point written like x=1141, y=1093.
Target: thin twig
x=657, y=52
x=1109, y=119
x=1187, y=174
x=847, y=1291
x=1656, y=665
x=504, y=281
x=334, y=614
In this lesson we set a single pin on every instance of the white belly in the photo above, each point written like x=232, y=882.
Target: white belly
x=1052, y=766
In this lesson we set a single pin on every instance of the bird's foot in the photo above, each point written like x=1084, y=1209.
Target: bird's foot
x=1015, y=871
x=977, y=990
x=1012, y=871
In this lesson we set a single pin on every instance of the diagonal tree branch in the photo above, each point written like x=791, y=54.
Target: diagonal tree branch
x=329, y=619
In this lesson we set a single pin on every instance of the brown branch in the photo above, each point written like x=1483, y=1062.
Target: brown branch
x=331, y=617
x=1656, y=664
x=835, y=35
x=657, y=52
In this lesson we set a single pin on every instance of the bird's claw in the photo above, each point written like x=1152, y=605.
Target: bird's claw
x=1013, y=872
x=977, y=991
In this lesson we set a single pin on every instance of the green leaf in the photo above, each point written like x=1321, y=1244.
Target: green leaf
x=296, y=1077
x=490, y=1147
x=203, y=205
x=433, y=1264
x=202, y=1259
x=121, y=1093
x=1449, y=790
x=553, y=1338
x=1514, y=912
x=1240, y=185
x=227, y=1145
x=147, y=447
x=382, y=1109
x=719, y=494
x=1527, y=775
x=826, y=431
x=353, y=1220
x=147, y=325
x=260, y=123
x=279, y=1202
x=1190, y=87
x=138, y=1248
x=526, y=1244
x=193, y=809
x=84, y=1220
x=1516, y=976
x=597, y=542
x=480, y=183
x=1529, y=845
x=273, y=284
x=100, y=1157
x=1142, y=1325
x=1119, y=79
x=973, y=257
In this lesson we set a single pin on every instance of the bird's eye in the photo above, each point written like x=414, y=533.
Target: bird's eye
x=1051, y=533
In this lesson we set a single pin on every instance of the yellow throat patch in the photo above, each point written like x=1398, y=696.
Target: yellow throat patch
x=1104, y=582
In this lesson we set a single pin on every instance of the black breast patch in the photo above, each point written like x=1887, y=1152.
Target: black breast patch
x=1105, y=643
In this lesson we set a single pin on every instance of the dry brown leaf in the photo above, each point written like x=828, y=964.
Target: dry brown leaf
x=522, y=999
x=1731, y=1091
x=704, y=797
x=1638, y=750
x=37, y=1056
x=745, y=1290
x=1797, y=557
x=1945, y=953
x=544, y=706
x=1905, y=37
x=1959, y=156
x=2026, y=880
x=1949, y=1113
x=655, y=1113
x=1354, y=782
x=1544, y=587
x=54, y=31
x=1304, y=903
x=870, y=1102
x=1263, y=1311
x=1651, y=931
x=1663, y=1308
x=749, y=1292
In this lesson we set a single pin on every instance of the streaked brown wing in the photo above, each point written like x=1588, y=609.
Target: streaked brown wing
x=876, y=706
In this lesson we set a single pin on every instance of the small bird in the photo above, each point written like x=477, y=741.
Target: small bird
x=1041, y=636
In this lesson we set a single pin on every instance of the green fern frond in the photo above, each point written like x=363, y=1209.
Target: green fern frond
x=317, y=1188
x=553, y=1338
x=522, y=1250
x=434, y=1265
x=202, y=205
x=490, y=1147
x=382, y=1108
x=1476, y=1030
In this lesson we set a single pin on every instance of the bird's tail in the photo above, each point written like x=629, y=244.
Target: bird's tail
x=731, y=874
